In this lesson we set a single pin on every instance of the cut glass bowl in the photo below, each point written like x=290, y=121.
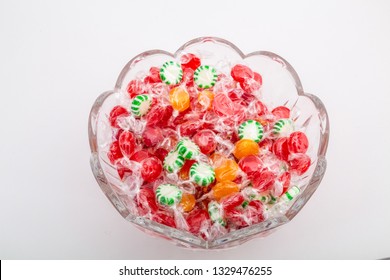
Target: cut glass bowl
x=281, y=86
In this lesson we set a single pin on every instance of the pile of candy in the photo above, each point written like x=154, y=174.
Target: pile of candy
x=198, y=150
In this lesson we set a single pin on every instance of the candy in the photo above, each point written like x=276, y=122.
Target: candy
x=251, y=129
x=283, y=127
x=127, y=143
x=152, y=136
x=187, y=148
x=140, y=155
x=154, y=76
x=187, y=202
x=281, y=112
x=215, y=213
x=140, y=105
x=223, y=105
x=146, y=201
x=180, y=99
x=171, y=73
x=189, y=128
x=291, y=193
x=230, y=202
x=197, y=220
x=135, y=87
x=263, y=180
x=210, y=135
x=151, y=169
x=168, y=194
x=164, y=218
x=117, y=111
x=241, y=72
x=252, y=214
x=298, y=142
x=299, y=163
x=205, y=139
x=251, y=84
x=184, y=172
x=202, y=174
x=224, y=188
x=205, y=99
x=173, y=162
x=280, y=148
x=159, y=115
x=245, y=147
x=205, y=76
x=190, y=60
x=250, y=165
x=115, y=152
x=225, y=169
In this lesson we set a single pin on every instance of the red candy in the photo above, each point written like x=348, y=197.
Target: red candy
x=223, y=105
x=117, y=111
x=205, y=139
x=298, y=142
x=285, y=180
x=159, y=116
x=135, y=87
x=281, y=112
x=152, y=136
x=154, y=76
x=190, y=61
x=127, y=143
x=151, y=169
x=115, y=152
x=164, y=218
x=263, y=180
x=250, y=165
x=209, y=115
x=197, y=219
x=299, y=163
x=161, y=153
x=189, y=128
x=252, y=214
x=140, y=156
x=146, y=201
x=241, y=72
x=266, y=144
x=280, y=148
x=261, y=108
x=230, y=202
x=122, y=170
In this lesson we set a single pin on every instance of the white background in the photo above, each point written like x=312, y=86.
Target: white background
x=57, y=56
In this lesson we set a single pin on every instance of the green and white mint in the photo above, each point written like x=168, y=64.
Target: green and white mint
x=173, y=161
x=291, y=193
x=215, y=213
x=141, y=105
x=252, y=130
x=168, y=194
x=202, y=174
x=171, y=73
x=283, y=127
x=187, y=148
x=205, y=76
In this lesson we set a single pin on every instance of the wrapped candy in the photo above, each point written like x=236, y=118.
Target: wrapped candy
x=201, y=151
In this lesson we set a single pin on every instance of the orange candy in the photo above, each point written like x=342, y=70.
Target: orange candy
x=180, y=99
x=205, y=98
x=225, y=188
x=245, y=147
x=225, y=169
x=187, y=202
